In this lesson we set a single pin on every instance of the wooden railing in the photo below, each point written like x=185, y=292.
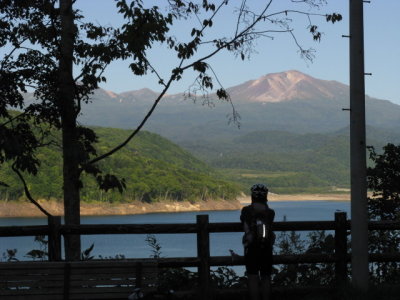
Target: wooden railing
x=202, y=228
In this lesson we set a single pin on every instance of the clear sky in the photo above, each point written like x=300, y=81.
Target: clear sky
x=382, y=48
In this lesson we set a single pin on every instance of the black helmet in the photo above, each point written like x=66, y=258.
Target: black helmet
x=259, y=188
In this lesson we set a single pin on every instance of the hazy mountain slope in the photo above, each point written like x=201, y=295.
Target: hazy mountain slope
x=287, y=101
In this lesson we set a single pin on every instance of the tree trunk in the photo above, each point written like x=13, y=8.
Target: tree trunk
x=69, y=131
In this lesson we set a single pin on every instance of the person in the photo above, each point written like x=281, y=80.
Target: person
x=258, y=241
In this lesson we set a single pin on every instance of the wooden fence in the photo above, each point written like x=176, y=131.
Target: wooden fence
x=202, y=228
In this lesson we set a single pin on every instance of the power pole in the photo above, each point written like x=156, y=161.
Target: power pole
x=358, y=162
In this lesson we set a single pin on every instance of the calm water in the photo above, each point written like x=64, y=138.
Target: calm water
x=173, y=245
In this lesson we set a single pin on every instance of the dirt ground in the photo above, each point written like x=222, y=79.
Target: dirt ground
x=26, y=209
x=301, y=197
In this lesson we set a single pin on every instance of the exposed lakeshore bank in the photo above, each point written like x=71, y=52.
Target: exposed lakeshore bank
x=26, y=209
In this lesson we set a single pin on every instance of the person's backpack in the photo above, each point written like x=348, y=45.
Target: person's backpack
x=260, y=225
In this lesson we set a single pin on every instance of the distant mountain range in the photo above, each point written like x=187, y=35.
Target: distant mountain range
x=287, y=101
x=293, y=134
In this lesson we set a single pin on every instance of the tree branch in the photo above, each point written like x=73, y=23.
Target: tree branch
x=305, y=54
x=244, y=32
x=14, y=118
x=241, y=10
x=27, y=193
x=11, y=52
x=149, y=113
x=286, y=12
x=160, y=79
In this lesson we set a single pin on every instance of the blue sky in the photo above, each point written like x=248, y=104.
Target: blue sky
x=382, y=49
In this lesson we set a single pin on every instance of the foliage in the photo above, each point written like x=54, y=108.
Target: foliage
x=154, y=169
x=304, y=274
x=177, y=279
x=317, y=242
x=224, y=277
x=86, y=254
x=155, y=246
x=32, y=32
x=9, y=255
x=171, y=279
x=174, y=279
x=280, y=182
x=288, y=162
x=384, y=180
x=116, y=256
x=41, y=253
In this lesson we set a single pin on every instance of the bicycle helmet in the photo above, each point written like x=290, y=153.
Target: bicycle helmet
x=259, y=192
x=259, y=188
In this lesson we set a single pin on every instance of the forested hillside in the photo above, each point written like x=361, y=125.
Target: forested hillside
x=287, y=162
x=154, y=169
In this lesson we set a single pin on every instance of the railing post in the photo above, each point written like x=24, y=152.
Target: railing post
x=340, y=248
x=203, y=254
x=54, y=245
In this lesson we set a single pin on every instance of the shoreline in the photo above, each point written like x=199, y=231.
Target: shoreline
x=25, y=209
x=301, y=197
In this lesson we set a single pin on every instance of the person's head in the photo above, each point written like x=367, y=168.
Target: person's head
x=259, y=193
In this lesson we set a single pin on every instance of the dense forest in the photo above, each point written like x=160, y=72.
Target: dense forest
x=154, y=169
x=287, y=162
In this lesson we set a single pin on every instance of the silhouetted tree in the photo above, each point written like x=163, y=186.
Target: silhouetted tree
x=384, y=181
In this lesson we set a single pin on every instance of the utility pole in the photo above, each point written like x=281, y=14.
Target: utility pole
x=358, y=162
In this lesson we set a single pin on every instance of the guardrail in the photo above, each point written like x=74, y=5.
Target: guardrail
x=202, y=228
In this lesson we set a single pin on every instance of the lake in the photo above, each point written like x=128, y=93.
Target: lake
x=173, y=245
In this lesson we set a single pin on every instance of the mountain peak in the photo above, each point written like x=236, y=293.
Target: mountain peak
x=102, y=93
x=140, y=93
x=290, y=77
x=111, y=94
x=286, y=86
